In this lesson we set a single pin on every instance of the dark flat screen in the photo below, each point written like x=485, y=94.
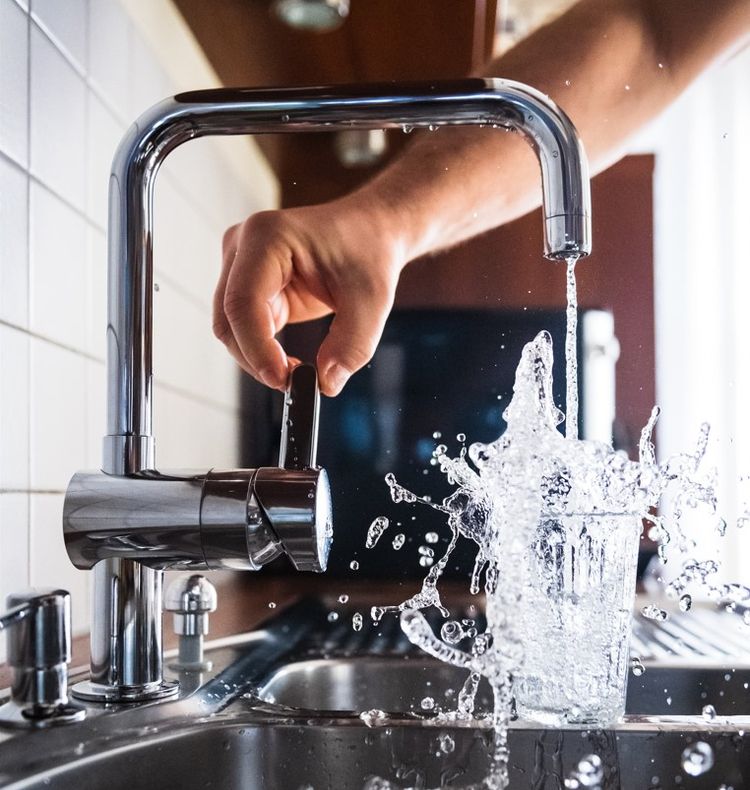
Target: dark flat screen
x=446, y=372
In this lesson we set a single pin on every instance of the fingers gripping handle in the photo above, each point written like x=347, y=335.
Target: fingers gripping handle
x=295, y=496
x=299, y=427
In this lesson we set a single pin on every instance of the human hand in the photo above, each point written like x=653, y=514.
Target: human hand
x=298, y=264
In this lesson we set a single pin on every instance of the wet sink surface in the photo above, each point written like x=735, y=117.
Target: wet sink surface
x=280, y=712
x=233, y=753
x=399, y=685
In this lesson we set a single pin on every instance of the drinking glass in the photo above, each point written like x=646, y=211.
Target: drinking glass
x=574, y=619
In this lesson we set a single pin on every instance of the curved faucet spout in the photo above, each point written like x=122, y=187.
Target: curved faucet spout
x=129, y=445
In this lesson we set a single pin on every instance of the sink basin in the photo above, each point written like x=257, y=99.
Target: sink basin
x=280, y=711
x=398, y=685
x=242, y=751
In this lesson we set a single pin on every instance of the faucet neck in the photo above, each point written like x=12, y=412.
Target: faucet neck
x=129, y=444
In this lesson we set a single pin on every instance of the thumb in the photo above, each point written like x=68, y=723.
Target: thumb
x=353, y=337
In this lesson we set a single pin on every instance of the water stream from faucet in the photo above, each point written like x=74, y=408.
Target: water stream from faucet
x=571, y=349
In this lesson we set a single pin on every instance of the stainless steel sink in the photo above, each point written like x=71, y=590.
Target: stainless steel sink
x=281, y=711
x=398, y=685
x=235, y=753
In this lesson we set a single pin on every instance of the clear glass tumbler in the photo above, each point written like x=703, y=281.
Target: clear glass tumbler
x=574, y=619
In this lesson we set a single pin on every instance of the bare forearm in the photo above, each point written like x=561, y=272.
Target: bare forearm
x=612, y=65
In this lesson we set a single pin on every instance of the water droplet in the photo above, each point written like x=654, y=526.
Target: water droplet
x=636, y=666
x=588, y=773
x=271, y=604
x=376, y=529
x=333, y=616
x=426, y=551
x=660, y=65
x=426, y=562
x=652, y=612
x=447, y=744
x=437, y=435
x=708, y=712
x=697, y=759
x=374, y=717
x=452, y=632
x=433, y=127
x=428, y=703
x=285, y=118
x=461, y=437
x=343, y=598
x=398, y=541
x=685, y=603
x=567, y=83
x=376, y=613
x=357, y=621
x=431, y=537
x=627, y=87
x=406, y=129
x=156, y=286
x=354, y=565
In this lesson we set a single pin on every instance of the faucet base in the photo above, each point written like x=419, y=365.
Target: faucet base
x=90, y=691
x=15, y=714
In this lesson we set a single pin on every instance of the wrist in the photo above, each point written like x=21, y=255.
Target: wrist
x=392, y=221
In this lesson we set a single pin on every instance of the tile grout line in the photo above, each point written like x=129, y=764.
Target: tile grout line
x=89, y=263
x=51, y=190
x=51, y=341
x=188, y=295
x=28, y=294
x=158, y=382
x=29, y=491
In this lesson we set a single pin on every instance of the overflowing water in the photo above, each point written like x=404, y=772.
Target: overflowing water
x=556, y=522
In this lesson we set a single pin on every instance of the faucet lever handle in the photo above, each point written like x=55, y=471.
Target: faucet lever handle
x=299, y=426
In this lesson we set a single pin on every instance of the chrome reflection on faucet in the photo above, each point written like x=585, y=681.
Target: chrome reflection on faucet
x=238, y=519
x=130, y=522
x=39, y=651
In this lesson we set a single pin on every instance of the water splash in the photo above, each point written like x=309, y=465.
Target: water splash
x=535, y=503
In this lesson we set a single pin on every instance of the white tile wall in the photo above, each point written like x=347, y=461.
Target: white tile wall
x=57, y=263
x=14, y=80
x=57, y=107
x=48, y=564
x=73, y=75
x=14, y=259
x=14, y=409
x=110, y=33
x=105, y=131
x=14, y=545
x=66, y=23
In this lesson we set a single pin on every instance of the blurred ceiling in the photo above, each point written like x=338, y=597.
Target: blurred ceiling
x=380, y=40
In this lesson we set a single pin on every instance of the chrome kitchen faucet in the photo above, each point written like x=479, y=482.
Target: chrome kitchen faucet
x=130, y=522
